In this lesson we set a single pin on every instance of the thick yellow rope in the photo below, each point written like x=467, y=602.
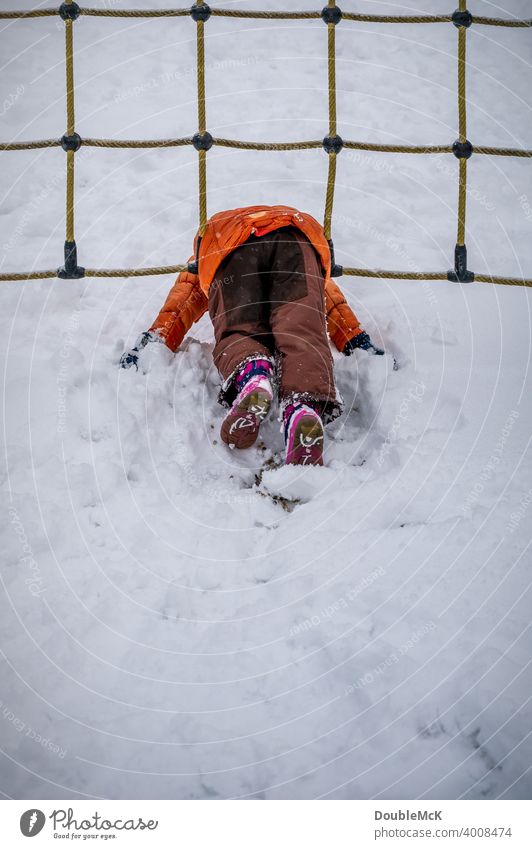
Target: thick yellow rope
x=329, y=200
x=31, y=13
x=249, y=145
x=202, y=124
x=244, y=145
x=31, y=145
x=501, y=22
x=380, y=274
x=462, y=129
x=27, y=275
x=137, y=143
x=331, y=71
x=242, y=13
x=135, y=272
x=69, y=63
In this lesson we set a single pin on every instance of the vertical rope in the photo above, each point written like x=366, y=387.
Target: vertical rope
x=69, y=64
x=202, y=123
x=462, y=128
x=331, y=178
x=331, y=44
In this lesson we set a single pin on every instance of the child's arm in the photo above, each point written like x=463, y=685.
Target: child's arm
x=343, y=325
x=185, y=304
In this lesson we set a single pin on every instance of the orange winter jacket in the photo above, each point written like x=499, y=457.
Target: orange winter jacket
x=188, y=298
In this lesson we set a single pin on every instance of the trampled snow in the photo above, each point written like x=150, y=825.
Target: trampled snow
x=184, y=621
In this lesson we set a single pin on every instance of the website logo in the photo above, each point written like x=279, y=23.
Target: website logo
x=32, y=822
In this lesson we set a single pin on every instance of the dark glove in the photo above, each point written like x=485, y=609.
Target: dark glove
x=131, y=357
x=362, y=340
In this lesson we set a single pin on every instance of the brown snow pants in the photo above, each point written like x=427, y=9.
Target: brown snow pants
x=268, y=300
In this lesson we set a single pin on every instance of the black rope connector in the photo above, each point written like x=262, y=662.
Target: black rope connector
x=336, y=270
x=72, y=142
x=331, y=15
x=333, y=144
x=193, y=267
x=202, y=141
x=69, y=11
x=460, y=274
x=71, y=270
x=462, y=150
x=200, y=13
x=462, y=19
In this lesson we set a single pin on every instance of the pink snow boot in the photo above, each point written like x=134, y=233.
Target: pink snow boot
x=303, y=435
x=251, y=405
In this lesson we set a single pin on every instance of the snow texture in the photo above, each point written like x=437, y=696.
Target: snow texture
x=183, y=621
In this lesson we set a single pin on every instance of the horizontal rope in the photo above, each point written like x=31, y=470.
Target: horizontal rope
x=27, y=275
x=398, y=148
x=244, y=145
x=396, y=19
x=136, y=13
x=30, y=13
x=501, y=151
x=431, y=275
x=502, y=281
x=394, y=275
x=262, y=15
x=136, y=143
x=347, y=272
x=30, y=145
x=501, y=22
x=135, y=272
x=257, y=14
x=249, y=145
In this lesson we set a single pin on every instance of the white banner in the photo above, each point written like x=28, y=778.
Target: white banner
x=267, y=825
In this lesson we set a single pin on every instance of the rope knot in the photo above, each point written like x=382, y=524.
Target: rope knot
x=72, y=142
x=69, y=11
x=202, y=141
x=331, y=15
x=462, y=18
x=333, y=144
x=462, y=149
x=200, y=12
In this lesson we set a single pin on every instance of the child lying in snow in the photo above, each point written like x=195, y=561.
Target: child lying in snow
x=264, y=276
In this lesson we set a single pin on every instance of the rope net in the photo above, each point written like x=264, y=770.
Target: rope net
x=203, y=141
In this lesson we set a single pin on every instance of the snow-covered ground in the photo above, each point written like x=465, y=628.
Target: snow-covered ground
x=179, y=620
